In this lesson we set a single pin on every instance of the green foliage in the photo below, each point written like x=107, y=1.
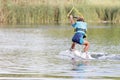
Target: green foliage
x=55, y=11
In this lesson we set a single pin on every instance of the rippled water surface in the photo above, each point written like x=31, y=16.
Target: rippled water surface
x=33, y=53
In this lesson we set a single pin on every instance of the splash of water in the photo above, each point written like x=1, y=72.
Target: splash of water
x=96, y=55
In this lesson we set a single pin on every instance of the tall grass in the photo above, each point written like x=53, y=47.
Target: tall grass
x=55, y=11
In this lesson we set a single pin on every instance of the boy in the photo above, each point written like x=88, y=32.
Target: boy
x=80, y=33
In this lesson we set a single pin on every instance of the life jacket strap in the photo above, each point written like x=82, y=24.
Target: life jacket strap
x=80, y=29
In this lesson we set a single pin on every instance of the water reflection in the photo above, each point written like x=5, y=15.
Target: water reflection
x=80, y=66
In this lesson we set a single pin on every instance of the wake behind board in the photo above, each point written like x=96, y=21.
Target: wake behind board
x=68, y=55
x=74, y=54
x=82, y=55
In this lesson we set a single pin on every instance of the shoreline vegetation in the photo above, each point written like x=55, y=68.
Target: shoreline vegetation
x=55, y=11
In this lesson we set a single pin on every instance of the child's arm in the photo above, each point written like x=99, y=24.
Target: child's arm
x=72, y=20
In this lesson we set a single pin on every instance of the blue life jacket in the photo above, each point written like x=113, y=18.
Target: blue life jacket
x=80, y=27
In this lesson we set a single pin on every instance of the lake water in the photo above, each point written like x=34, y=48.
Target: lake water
x=32, y=52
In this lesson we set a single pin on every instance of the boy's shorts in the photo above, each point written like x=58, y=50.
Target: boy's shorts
x=78, y=38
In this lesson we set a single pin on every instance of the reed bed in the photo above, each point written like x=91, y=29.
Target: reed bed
x=55, y=11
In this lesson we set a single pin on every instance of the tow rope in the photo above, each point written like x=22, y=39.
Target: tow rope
x=76, y=10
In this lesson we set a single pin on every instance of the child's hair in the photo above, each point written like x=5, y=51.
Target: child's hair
x=80, y=19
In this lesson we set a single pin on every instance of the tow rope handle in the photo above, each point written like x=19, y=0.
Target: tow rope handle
x=70, y=12
x=73, y=8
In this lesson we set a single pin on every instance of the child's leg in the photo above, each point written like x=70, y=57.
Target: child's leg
x=86, y=43
x=73, y=46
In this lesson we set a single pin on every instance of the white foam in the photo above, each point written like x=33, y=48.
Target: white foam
x=74, y=54
x=82, y=55
x=67, y=54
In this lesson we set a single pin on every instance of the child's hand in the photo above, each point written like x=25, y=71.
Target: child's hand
x=71, y=16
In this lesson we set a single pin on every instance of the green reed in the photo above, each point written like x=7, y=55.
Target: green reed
x=55, y=11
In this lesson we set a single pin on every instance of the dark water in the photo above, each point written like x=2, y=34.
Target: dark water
x=30, y=53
